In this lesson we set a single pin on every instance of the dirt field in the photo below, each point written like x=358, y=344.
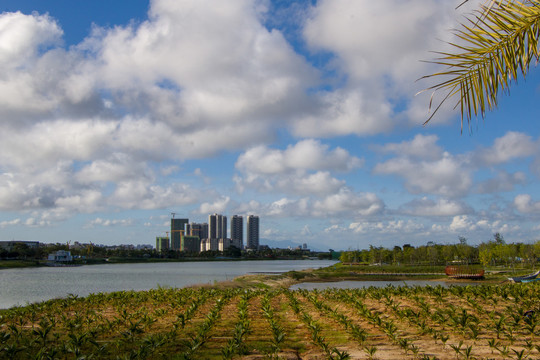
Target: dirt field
x=471, y=322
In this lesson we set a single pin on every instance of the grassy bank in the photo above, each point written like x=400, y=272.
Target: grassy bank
x=10, y=264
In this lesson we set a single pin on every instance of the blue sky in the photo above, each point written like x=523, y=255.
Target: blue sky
x=115, y=114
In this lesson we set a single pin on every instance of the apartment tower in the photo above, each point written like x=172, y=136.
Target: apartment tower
x=237, y=231
x=217, y=226
x=252, y=232
x=177, y=232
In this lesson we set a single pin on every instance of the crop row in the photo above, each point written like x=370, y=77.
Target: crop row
x=460, y=322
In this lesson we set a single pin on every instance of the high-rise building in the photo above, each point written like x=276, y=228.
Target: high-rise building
x=217, y=226
x=252, y=238
x=212, y=226
x=177, y=231
x=191, y=244
x=162, y=243
x=237, y=230
x=223, y=234
x=195, y=229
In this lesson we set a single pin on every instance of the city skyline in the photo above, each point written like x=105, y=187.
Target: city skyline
x=210, y=236
x=117, y=114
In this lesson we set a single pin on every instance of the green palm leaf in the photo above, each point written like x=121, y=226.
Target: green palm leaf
x=497, y=43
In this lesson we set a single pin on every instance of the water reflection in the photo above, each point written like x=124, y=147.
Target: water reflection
x=29, y=285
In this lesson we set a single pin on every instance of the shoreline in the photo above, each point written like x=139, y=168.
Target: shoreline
x=290, y=278
x=21, y=264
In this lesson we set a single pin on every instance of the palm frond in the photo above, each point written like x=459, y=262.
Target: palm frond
x=496, y=45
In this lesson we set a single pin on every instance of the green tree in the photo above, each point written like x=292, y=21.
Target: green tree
x=496, y=44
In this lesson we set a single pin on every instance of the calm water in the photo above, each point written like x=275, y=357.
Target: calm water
x=29, y=285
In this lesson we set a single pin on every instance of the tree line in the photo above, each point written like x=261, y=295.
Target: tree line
x=495, y=252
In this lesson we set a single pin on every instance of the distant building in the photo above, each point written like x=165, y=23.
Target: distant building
x=237, y=243
x=195, y=229
x=222, y=232
x=10, y=245
x=252, y=228
x=212, y=226
x=217, y=226
x=162, y=243
x=60, y=256
x=191, y=244
x=209, y=245
x=177, y=231
x=224, y=244
x=237, y=230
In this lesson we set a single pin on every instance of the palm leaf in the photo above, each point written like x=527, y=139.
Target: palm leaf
x=498, y=42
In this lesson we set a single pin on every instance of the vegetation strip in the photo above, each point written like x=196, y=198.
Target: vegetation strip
x=430, y=322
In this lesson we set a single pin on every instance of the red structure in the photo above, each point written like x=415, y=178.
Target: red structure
x=464, y=272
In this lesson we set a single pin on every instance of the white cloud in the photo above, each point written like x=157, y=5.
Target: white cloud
x=367, y=35
x=7, y=223
x=140, y=194
x=364, y=37
x=307, y=154
x=301, y=169
x=510, y=146
x=285, y=207
x=524, y=204
x=21, y=35
x=56, y=141
x=346, y=201
x=117, y=168
x=319, y=183
x=343, y=112
x=502, y=182
x=461, y=223
x=109, y=222
x=429, y=207
x=447, y=176
x=388, y=227
x=218, y=206
x=421, y=147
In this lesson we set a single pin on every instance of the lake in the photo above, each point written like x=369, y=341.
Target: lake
x=29, y=285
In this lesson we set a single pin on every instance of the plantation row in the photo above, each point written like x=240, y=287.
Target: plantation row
x=480, y=322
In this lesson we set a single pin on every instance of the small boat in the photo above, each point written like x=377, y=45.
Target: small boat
x=526, y=278
x=464, y=272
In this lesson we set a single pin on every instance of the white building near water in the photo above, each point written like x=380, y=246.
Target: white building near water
x=61, y=256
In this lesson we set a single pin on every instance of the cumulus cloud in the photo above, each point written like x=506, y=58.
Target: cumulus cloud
x=420, y=147
x=363, y=38
x=503, y=182
x=343, y=112
x=7, y=223
x=388, y=227
x=285, y=207
x=368, y=34
x=346, y=201
x=301, y=169
x=461, y=223
x=139, y=194
x=429, y=207
x=523, y=203
x=510, y=146
x=448, y=175
x=109, y=222
x=218, y=206
x=307, y=154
